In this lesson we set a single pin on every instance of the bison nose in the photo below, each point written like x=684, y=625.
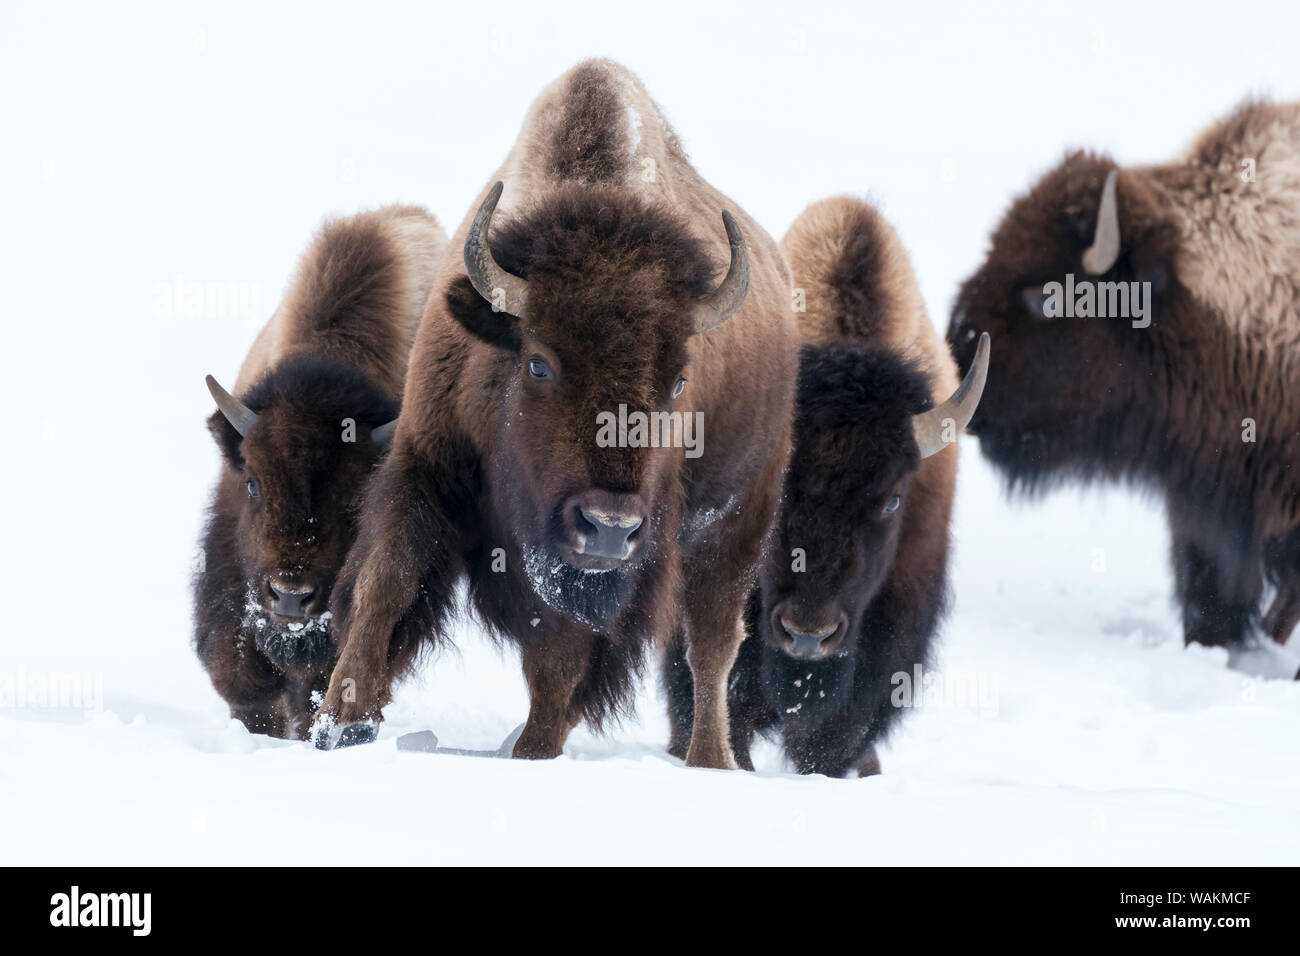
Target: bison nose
x=289, y=600
x=807, y=642
x=608, y=534
x=604, y=525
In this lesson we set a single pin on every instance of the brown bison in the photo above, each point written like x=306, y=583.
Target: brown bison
x=856, y=583
x=619, y=289
x=311, y=414
x=1147, y=330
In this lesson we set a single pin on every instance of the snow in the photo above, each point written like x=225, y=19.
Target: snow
x=164, y=168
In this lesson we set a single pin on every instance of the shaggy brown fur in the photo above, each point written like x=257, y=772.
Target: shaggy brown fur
x=284, y=510
x=1165, y=406
x=871, y=361
x=616, y=235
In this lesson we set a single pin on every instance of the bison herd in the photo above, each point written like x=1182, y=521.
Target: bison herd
x=788, y=559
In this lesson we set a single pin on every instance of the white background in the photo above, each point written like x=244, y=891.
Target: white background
x=149, y=151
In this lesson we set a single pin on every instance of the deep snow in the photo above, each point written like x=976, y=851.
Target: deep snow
x=158, y=181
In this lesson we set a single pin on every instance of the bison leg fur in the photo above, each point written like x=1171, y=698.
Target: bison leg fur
x=710, y=652
x=1282, y=560
x=399, y=556
x=718, y=582
x=553, y=670
x=264, y=717
x=868, y=764
x=680, y=690
x=1219, y=588
x=247, y=682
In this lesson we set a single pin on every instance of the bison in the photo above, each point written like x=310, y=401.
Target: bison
x=1190, y=391
x=311, y=414
x=855, y=585
x=614, y=287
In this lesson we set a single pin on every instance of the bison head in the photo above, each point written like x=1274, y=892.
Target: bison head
x=1063, y=381
x=298, y=450
x=589, y=300
x=862, y=429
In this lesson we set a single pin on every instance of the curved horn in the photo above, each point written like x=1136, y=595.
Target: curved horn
x=240, y=416
x=507, y=293
x=1103, y=252
x=723, y=302
x=928, y=427
x=383, y=434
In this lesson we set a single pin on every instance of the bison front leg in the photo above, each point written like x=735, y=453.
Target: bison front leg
x=1218, y=598
x=247, y=681
x=719, y=574
x=393, y=592
x=301, y=694
x=1218, y=573
x=1282, y=558
x=711, y=652
x=1284, y=613
x=264, y=717
x=554, y=669
x=680, y=691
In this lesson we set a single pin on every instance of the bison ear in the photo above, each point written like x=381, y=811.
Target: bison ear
x=478, y=317
x=228, y=440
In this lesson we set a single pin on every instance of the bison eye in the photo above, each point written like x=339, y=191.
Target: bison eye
x=680, y=386
x=1035, y=299
x=539, y=370
x=892, y=505
x=252, y=489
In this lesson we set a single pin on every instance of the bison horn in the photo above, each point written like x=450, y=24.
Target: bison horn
x=240, y=416
x=507, y=293
x=725, y=301
x=943, y=423
x=1103, y=252
x=383, y=434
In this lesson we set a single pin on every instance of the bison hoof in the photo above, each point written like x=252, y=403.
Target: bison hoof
x=715, y=758
x=328, y=735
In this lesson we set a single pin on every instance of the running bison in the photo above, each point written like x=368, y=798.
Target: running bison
x=1192, y=389
x=311, y=414
x=552, y=445
x=855, y=585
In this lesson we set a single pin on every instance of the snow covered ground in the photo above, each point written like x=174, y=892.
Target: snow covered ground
x=162, y=169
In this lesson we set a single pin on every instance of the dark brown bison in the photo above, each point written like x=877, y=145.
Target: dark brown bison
x=1192, y=390
x=311, y=414
x=609, y=292
x=855, y=585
